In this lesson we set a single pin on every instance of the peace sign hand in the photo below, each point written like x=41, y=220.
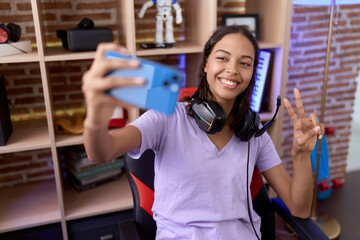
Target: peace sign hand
x=306, y=129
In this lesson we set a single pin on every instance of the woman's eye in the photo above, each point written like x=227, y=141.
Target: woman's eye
x=245, y=64
x=221, y=58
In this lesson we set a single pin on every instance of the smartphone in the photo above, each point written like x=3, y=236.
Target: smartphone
x=160, y=91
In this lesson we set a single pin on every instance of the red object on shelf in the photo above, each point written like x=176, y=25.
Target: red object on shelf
x=329, y=130
x=324, y=186
x=118, y=119
x=118, y=122
x=337, y=183
x=3, y=36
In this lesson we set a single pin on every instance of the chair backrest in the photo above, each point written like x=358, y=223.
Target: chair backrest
x=262, y=206
x=140, y=174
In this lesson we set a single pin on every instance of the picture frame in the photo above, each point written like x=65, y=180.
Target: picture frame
x=251, y=21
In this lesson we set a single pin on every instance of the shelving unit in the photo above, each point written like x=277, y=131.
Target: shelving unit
x=32, y=56
x=37, y=204
x=275, y=27
x=28, y=206
x=28, y=135
x=95, y=202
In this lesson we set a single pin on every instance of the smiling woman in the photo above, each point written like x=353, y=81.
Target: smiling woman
x=190, y=158
x=237, y=44
x=230, y=65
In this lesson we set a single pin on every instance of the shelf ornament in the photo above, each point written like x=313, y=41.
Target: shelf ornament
x=163, y=15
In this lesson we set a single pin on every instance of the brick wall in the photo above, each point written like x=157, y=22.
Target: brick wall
x=306, y=72
x=16, y=168
x=23, y=81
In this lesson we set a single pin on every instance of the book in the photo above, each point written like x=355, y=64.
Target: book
x=80, y=164
x=76, y=156
x=117, y=163
x=97, y=177
x=80, y=188
x=76, y=152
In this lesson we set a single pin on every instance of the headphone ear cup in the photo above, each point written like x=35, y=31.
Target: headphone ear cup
x=4, y=33
x=248, y=128
x=220, y=117
x=209, y=116
x=14, y=32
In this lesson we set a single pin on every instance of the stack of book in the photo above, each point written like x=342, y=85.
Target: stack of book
x=84, y=174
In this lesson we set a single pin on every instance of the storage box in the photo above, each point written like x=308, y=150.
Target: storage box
x=13, y=48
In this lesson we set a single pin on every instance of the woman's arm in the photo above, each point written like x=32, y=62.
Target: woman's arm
x=99, y=144
x=297, y=192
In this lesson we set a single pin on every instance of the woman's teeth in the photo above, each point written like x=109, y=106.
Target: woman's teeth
x=228, y=82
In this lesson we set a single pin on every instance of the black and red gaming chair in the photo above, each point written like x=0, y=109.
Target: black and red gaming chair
x=140, y=174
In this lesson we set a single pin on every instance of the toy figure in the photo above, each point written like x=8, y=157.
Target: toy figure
x=163, y=15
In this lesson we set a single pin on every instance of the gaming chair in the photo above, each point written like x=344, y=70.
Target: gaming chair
x=140, y=174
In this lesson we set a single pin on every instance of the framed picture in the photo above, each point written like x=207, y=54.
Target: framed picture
x=249, y=21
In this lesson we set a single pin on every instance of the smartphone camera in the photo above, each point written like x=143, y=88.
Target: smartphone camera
x=175, y=78
x=166, y=83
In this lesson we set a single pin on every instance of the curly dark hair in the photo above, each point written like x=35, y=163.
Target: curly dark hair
x=242, y=102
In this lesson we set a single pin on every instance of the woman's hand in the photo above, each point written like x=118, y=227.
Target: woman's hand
x=100, y=105
x=306, y=129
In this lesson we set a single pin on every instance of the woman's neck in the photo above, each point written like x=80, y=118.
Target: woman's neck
x=227, y=107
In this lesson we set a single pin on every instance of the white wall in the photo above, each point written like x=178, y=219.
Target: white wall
x=353, y=160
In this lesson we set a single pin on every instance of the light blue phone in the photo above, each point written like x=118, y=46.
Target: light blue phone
x=160, y=91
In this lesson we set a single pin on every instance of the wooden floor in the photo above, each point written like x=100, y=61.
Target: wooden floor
x=343, y=205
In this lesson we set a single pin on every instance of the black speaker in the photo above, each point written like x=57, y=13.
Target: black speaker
x=5, y=121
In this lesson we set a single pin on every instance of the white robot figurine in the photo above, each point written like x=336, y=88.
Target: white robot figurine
x=163, y=15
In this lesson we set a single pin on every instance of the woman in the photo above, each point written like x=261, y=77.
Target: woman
x=200, y=181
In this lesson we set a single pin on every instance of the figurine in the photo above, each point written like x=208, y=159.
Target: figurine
x=163, y=15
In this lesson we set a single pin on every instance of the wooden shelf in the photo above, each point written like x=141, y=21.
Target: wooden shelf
x=32, y=56
x=269, y=45
x=180, y=48
x=110, y=197
x=61, y=54
x=64, y=140
x=28, y=135
x=68, y=140
x=28, y=205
